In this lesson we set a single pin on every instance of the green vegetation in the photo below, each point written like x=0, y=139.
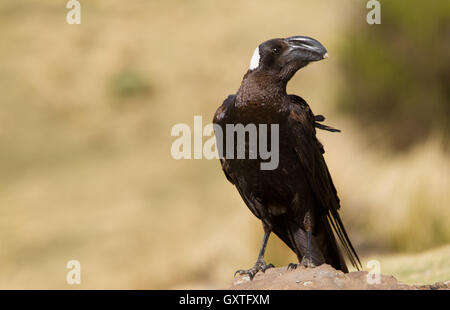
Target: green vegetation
x=428, y=267
x=396, y=82
x=129, y=83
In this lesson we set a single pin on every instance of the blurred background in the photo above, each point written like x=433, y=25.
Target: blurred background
x=86, y=113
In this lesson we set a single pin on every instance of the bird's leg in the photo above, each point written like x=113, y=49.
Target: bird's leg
x=308, y=223
x=260, y=264
x=307, y=258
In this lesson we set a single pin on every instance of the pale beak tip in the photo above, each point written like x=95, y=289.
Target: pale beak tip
x=325, y=55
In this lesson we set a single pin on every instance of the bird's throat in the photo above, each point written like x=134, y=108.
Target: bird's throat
x=258, y=87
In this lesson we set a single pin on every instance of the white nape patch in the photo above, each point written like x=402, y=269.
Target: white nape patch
x=254, y=62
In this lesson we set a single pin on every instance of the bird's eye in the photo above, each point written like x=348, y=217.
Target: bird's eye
x=276, y=50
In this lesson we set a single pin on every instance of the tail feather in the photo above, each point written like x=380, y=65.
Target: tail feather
x=324, y=247
x=335, y=220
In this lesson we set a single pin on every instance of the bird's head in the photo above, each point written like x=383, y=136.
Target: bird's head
x=284, y=57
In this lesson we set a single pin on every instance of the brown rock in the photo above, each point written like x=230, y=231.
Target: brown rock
x=323, y=277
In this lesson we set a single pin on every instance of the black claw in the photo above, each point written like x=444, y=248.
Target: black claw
x=250, y=272
x=267, y=267
x=259, y=266
x=292, y=266
x=240, y=272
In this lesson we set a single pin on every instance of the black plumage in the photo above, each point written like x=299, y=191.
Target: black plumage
x=297, y=201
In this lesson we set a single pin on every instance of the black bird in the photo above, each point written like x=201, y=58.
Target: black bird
x=297, y=201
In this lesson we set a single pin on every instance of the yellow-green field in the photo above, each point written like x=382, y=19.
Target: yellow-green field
x=85, y=166
x=424, y=268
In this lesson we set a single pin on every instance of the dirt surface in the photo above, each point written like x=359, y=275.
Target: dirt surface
x=323, y=277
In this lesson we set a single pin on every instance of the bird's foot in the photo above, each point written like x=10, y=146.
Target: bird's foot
x=292, y=266
x=259, y=266
x=307, y=262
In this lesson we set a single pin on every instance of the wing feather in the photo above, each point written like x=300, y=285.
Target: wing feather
x=309, y=151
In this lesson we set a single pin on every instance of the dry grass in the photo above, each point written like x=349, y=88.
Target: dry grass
x=428, y=267
x=85, y=168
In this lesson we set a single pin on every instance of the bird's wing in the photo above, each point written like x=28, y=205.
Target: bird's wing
x=309, y=151
x=318, y=119
x=223, y=116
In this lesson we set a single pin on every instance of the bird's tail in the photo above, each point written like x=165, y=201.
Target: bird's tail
x=324, y=247
x=335, y=221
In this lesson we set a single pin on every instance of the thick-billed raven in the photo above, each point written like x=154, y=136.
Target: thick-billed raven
x=297, y=200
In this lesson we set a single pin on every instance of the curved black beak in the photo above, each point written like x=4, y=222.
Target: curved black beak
x=306, y=48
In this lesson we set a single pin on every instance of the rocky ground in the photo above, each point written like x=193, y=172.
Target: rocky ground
x=324, y=277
